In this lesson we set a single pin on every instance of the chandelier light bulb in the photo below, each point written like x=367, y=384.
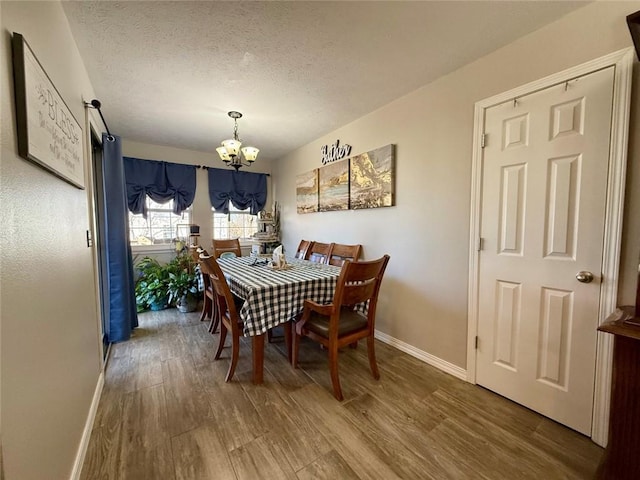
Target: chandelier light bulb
x=250, y=153
x=232, y=146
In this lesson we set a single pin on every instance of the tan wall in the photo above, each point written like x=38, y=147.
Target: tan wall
x=202, y=214
x=50, y=346
x=424, y=296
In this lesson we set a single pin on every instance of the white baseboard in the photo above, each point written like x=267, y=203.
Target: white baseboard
x=432, y=360
x=88, y=427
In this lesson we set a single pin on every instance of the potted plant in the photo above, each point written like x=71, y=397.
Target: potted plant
x=183, y=282
x=183, y=262
x=151, y=286
x=183, y=290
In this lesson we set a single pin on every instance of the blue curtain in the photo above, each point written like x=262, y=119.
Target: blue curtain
x=243, y=189
x=122, y=300
x=162, y=181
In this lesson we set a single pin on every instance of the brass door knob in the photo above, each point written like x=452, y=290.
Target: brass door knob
x=584, y=277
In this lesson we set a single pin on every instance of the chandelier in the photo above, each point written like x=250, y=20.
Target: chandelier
x=230, y=151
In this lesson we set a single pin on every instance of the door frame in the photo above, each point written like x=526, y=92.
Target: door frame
x=622, y=60
x=93, y=125
x=98, y=239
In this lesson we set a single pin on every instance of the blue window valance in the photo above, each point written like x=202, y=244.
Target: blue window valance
x=161, y=181
x=243, y=189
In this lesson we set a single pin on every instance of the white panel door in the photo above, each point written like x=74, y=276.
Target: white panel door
x=545, y=164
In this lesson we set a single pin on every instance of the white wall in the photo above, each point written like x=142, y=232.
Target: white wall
x=202, y=214
x=50, y=344
x=424, y=296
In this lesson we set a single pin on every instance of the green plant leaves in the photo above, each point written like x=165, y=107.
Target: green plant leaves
x=164, y=284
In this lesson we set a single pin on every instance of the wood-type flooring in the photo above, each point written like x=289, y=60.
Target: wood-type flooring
x=166, y=413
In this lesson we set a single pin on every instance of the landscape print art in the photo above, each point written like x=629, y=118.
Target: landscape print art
x=307, y=192
x=334, y=186
x=373, y=179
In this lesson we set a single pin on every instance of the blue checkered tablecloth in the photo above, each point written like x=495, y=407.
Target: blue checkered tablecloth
x=272, y=296
x=199, y=277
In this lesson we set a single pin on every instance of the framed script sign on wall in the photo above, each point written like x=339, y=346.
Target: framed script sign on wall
x=48, y=133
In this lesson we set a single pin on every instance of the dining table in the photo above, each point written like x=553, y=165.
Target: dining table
x=275, y=296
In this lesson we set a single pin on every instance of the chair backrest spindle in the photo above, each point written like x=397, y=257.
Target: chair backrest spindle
x=222, y=246
x=302, y=248
x=341, y=252
x=319, y=252
x=360, y=282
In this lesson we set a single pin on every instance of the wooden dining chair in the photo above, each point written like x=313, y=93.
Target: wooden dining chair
x=340, y=253
x=318, y=252
x=339, y=323
x=302, y=248
x=222, y=246
x=228, y=307
x=209, y=309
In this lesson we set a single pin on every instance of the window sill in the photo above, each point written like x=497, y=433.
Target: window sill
x=246, y=243
x=142, y=249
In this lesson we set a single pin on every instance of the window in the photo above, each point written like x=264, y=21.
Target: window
x=161, y=225
x=237, y=224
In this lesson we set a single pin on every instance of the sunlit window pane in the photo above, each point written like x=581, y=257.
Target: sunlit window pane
x=160, y=227
x=236, y=224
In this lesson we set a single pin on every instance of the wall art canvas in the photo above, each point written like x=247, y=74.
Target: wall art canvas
x=334, y=186
x=307, y=192
x=372, y=179
x=48, y=133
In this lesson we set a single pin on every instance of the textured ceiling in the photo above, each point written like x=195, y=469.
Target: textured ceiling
x=167, y=73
